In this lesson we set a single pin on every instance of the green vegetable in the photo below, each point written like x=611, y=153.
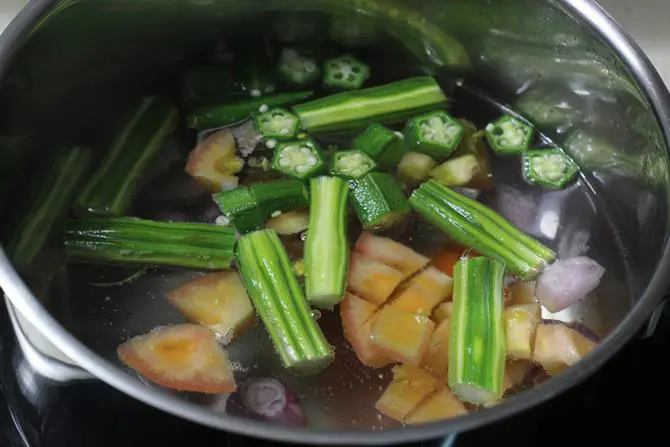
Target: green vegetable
x=382, y=144
x=278, y=124
x=351, y=164
x=456, y=171
x=509, y=135
x=204, y=85
x=378, y=200
x=280, y=196
x=111, y=188
x=477, y=344
x=345, y=72
x=298, y=159
x=548, y=167
x=138, y=241
x=226, y=114
x=45, y=213
x=435, y=134
x=414, y=168
x=326, y=247
x=386, y=104
x=241, y=208
x=476, y=226
x=274, y=289
x=297, y=69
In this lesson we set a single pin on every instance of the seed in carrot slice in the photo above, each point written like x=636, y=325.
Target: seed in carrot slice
x=522, y=292
x=438, y=407
x=401, y=336
x=390, y=252
x=557, y=347
x=520, y=324
x=409, y=387
x=417, y=299
x=356, y=324
x=372, y=280
x=218, y=301
x=443, y=311
x=184, y=357
x=436, y=359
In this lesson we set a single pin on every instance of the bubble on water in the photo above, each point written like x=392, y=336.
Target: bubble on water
x=237, y=367
x=331, y=348
x=316, y=314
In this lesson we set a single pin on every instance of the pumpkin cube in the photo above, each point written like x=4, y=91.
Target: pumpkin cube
x=408, y=388
x=401, y=336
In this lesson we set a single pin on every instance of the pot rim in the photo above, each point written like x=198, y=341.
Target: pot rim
x=648, y=80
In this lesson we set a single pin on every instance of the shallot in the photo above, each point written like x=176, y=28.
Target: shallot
x=266, y=399
x=567, y=281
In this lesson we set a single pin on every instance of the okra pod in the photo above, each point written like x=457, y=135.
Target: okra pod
x=378, y=200
x=241, y=208
x=345, y=73
x=382, y=144
x=548, y=167
x=436, y=134
x=351, y=164
x=509, y=135
x=301, y=159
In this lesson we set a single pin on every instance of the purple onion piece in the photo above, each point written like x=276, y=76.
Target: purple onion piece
x=271, y=400
x=579, y=327
x=567, y=281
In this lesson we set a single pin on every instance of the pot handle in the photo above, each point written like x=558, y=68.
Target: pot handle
x=56, y=367
x=653, y=320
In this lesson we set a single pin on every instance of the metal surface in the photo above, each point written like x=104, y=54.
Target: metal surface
x=617, y=213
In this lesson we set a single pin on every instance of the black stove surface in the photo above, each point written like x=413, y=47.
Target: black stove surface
x=626, y=398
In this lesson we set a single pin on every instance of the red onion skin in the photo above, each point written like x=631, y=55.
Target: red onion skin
x=567, y=281
x=266, y=399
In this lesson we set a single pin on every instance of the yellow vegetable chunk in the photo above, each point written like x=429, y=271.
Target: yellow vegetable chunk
x=356, y=324
x=213, y=163
x=436, y=359
x=409, y=387
x=401, y=336
x=390, y=252
x=522, y=292
x=443, y=311
x=520, y=324
x=372, y=280
x=557, y=347
x=440, y=406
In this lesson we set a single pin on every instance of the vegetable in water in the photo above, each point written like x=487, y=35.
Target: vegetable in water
x=457, y=171
x=351, y=164
x=213, y=163
x=401, y=336
x=279, y=196
x=291, y=222
x=217, y=301
x=548, y=167
x=423, y=292
x=266, y=399
x=219, y=115
x=558, y=346
x=439, y=406
x=279, y=301
x=301, y=159
x=509, y=135
x=277, y=123
x=522, y=292
x=378, y=200
x=345, y=72
x=385, y=104
x=383, y=145
x=388, y=251
x=520, y=324
x=326, y=246
x=443, y=311
x=476, y=226
x=477, y=346
x=436, y=360
x=372, y=280
x=356, y=315
x=139, y=241
x=110, y=189
x=415, y=168
x=65, y=172
x=297, y=69
x=241, y=208
x=184, y=357
x=436, y=134
x=410, y=386
x=567, y=281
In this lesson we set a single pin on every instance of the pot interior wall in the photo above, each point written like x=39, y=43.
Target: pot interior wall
x=87, y=62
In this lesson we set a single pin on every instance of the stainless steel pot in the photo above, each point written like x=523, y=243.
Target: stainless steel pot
x=68, y=68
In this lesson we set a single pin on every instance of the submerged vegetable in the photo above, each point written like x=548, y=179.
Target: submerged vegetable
x=297, y=69
x=436, y=134
x=567, y=281
x=509, y=135
x=291, y=222
x=210, y=117
x=381, y=144
x=66, y=171
x=351, y=164
x=401, y=336
x=415, y=168
x=476, y=226
x=372, y=280
x=548, y=167
x=410, y=386
x=217, y=301
x=386, y=104
x=241, y=208
x=214, y=163
x=139, y=241
x=477, y=346
x=277, y=123
x=457, y=171
x=378, y=201
x=278, y=298
x=436, y=360
x=345, y=72
x=184, y=357
x=111, y=188
x=279, y=196
x=326, y=246
x=356, y=318
x=520, y=324
x=558, y=346
x=301, y=159
x=437, y=407
x=272, y=401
